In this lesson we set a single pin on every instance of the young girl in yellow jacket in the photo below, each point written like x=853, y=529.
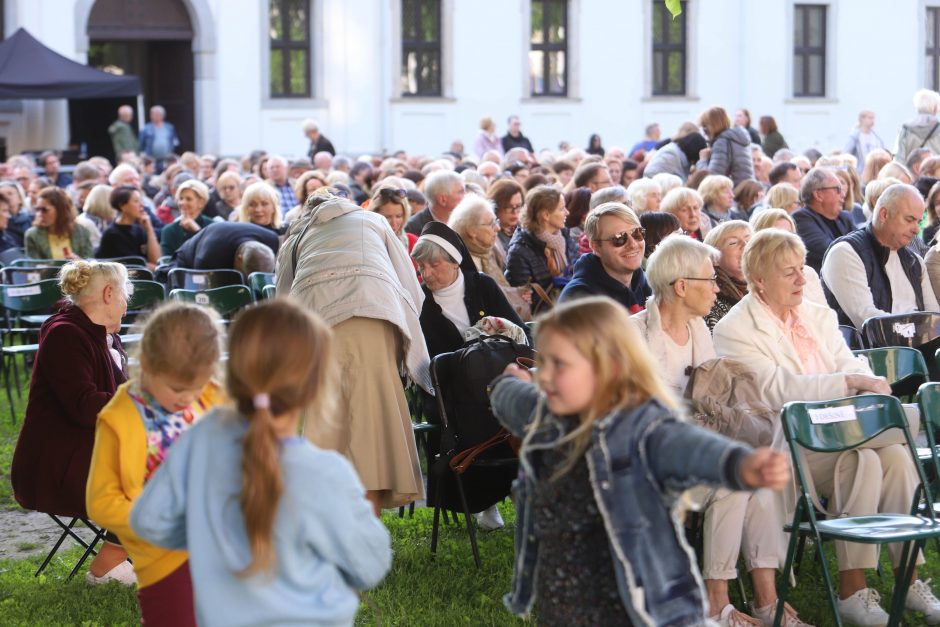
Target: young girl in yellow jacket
x=179, y=355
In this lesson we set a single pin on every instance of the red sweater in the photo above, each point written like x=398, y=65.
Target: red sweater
x=74, y=376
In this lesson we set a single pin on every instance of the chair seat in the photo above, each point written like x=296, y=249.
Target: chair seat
x=876, y=529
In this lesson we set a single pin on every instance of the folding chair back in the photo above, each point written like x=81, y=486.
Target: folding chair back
x=132, y=260
x=226, y=300
x=852, y=337
x=199, y=280
x=146, y=295
x=268, y=292
x=27, y=262
x=919, y=329
x=904, y=368
x=12, y=275
x=257, y=282
x=31, y=297
x=928, y=401
x=139, y=273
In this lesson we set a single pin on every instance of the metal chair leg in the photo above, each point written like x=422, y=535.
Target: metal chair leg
x=466, y=514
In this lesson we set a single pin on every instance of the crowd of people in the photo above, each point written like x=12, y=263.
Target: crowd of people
x=638, y=267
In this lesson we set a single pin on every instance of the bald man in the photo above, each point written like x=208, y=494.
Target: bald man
x=871, y=272
x=122, y=134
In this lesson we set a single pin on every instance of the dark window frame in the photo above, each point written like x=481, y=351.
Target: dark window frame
x=804, y=53
x=286, y=46
x=933, y=53
x=433, y=88
x=546, y=47
x=664, y=47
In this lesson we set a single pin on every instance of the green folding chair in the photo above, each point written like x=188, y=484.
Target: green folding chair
x=268, y=292
x=146, y=295
x=29, y=263
x=903, y=367
x=226, y=300
x=836, y=426
x=928, y=401
x=257, y=282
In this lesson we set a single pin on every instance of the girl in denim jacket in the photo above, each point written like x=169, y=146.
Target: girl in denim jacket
x=598, y=541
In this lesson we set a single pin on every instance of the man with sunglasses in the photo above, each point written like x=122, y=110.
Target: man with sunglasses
x=613, y=268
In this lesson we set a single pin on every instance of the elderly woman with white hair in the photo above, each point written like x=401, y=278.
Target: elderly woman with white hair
x=475, y=222
x=191, y=198
x=797, y=353
x=686, y=205
x=729, y=238
x=260, y=205
x=682, y=273
x=921, y=131
x=645, y=195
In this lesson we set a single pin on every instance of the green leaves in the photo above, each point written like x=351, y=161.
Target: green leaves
x=674, y=7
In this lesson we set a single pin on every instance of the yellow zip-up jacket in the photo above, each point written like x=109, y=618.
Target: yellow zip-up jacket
x=116, y=479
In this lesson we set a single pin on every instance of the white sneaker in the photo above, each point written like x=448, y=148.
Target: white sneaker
x=766, y=616
x=920, y=598
x=489, y=519
x=730, y=617
x=862, y=609
x=123, y=573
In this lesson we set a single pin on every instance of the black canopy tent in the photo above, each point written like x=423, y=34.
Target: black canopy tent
x=28, y=69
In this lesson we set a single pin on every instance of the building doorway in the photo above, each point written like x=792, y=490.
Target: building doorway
x=153, y=40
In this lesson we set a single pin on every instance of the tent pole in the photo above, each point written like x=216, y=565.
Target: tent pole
x=140, y=113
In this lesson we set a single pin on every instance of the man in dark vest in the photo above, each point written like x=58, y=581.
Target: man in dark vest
x=871, y=272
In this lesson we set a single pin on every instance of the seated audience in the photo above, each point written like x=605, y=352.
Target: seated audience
x=781, y=196
x=614, y=268
x=822, y=219
x=717, y=194
x=54, y=234
x=508, y=199
x=230, y=245
x=392, y=204
x=20, y=216
x=259, y=206
x=797, y=353
x=191, y=198
x=780, y=219
x=6, y=240
x=686, y=205
x=97, y=209
x=658, y=225
x=871, y=272
x=444, y=189
x=228, y=187
x=645, y=195
x=729, y=239
x=131, y=234
x=748, y=196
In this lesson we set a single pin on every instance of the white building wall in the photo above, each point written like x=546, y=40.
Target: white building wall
x=740, y=54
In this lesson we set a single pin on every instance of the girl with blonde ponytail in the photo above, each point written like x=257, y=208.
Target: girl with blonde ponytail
x=277, y=530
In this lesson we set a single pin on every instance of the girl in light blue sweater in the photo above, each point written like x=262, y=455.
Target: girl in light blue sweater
x=278, y=531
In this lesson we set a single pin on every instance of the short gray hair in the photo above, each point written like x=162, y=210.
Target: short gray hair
x=426, y=251
x=926, y=101
x=813, y=180
x=467, y=214
x=890, y=197
x=617, y=193
x=310, y=125
x=676, y=256
x=439, y=182
x=118, y=173
x=667, y=182
x=638, y=190
x=717, y=236
x=678, y=197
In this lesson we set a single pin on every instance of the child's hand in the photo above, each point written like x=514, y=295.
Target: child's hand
x=766, y=468
x=519, y=372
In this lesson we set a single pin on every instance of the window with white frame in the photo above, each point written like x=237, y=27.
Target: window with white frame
x=289, y=48
x=809, y=50
x=548, y=48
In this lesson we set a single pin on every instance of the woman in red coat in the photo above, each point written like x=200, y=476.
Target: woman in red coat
x=79, y=365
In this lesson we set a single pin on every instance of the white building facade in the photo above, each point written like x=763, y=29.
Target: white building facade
x=382, y=75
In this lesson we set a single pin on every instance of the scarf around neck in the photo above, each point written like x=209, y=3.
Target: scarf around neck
x=729, y=287
x=555, y=251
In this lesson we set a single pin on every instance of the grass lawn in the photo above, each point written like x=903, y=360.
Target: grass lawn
x=448, y=590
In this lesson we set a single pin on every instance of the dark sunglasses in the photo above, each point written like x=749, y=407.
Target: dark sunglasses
x=620, y=239
x=393, y=193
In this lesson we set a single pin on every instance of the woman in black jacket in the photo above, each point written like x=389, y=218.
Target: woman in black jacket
x=456, y=294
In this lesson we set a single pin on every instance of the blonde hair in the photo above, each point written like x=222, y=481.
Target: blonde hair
x=182, y=340
x=624, y=370
x=592, y=223
x=896, y=170
x=540, y=199
x=712, y=185
x=717, y=236
x=768, y=218
x=292, y=378
x=98, y=203
x=874, y=190
x=781, y=195
x=765, y=249
x=256, y=191
x=679, y=197
x=197, y=187
x=874, y=161
x=376, y=201
x=77, y=278
x=638, y=191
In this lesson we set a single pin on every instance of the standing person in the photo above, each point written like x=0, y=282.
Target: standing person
x=54, y=234
x=158, y=137
x=348, y=266
x=773, y=140
x=599, y=522
x=595, y=147
x=863, y=139
x=730, y=151
x=318, y=141
x=514, y=137
x=924, y=130
x=122, y=134
x=742, y=119
x=651, y=135
x=132, y=233
x=78, y=367
x=487, y=139
x=179, y=356
x=278, y=531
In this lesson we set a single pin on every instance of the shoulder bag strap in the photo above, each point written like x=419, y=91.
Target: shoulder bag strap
x=929, y=135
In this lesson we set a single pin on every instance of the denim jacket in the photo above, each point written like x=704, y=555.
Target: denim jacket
x=640, y=461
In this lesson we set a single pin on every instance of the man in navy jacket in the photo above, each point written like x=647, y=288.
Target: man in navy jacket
x=821, y=220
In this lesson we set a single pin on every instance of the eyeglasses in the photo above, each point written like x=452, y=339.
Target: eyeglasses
x=713, y=278
x=489, y=225
x=620, y=239
x=43, y=209
x=838, y=188
x=393, y=193
x=513, y=208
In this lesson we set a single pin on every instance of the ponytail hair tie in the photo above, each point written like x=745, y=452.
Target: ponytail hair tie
x=261, y=401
